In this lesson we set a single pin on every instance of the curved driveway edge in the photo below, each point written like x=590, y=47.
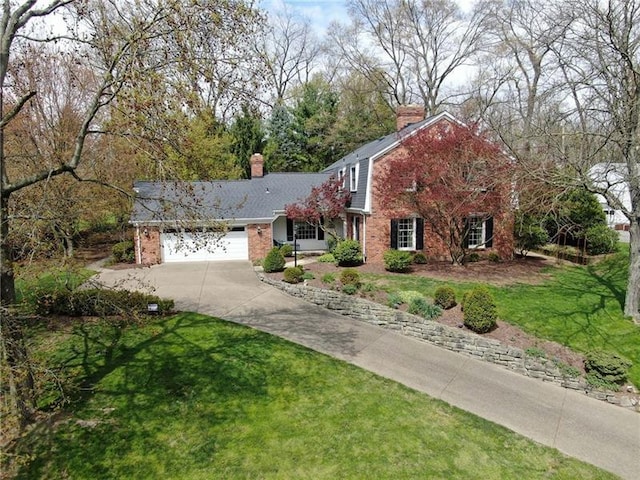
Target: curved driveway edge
x=593, y=431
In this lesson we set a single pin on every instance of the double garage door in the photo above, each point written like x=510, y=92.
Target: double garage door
x=190, y=247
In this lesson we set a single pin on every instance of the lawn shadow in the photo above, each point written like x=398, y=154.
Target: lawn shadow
x=135, y=384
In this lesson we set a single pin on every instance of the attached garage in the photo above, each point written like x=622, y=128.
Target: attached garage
x=197, y=247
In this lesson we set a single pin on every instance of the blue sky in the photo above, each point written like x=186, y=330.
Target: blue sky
x=320, y=12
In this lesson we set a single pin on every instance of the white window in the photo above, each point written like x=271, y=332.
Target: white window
x=406, y=234
x=306, y=231
x=476, y=233
x=353, y=177
x=342, y=174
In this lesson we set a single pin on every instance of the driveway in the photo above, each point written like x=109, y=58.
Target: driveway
x=588, y=429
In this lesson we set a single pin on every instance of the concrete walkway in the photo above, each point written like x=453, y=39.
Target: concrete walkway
x=588, y=429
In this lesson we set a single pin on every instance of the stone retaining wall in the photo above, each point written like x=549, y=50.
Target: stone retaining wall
x=461, y=341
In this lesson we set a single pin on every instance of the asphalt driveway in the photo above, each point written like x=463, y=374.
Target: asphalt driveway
x=588, y=429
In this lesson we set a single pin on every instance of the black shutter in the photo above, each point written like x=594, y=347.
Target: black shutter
x=488, y=230
x=419, y=233
x=289, y=230
x=465, y=233
x=394, y=233
x=320, y=230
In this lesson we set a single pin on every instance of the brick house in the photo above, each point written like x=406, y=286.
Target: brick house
x=366, y=221
x=243, y=219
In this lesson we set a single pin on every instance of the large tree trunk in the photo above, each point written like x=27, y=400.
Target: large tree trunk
x=632, y=301
x=20, y=375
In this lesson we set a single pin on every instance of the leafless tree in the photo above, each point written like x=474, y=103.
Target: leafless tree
x=290, y=52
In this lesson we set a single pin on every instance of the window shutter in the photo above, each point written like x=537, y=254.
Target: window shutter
x=419, y=233
x=465, y=233
x=488, y=230
x=394, y=233
x=289, y=230
x=320, y=230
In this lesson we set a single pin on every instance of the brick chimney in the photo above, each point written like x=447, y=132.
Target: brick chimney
x=257, y=165
x=408, y=114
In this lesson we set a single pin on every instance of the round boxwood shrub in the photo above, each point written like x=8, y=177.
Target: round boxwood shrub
x=397, y=260
x=445, y=297
x=293, y=274
x=606, y=369
x=326, y=258
x=601, y=239
x=286, y=250
x=349, y=276
x=348, y=253
x=274, y=261
x=420, y=258
x=480, y=313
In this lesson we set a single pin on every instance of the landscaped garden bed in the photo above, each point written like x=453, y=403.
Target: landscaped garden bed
x=546, y=308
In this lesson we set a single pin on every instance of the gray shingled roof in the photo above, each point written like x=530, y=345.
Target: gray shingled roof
x=257, y=198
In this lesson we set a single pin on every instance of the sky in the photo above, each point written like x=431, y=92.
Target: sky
x=323, y=12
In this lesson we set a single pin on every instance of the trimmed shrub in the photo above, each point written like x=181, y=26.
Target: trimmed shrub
x=123, y=252
x=601, y=239
x=328, y=278
x=348, y=253
x=480, y=313
x=349, y=289
x=420, y=258
x=606, y=369
x=421, y=307
x=286, y=250
x=494, y=257
x=293, y=274
x=445, y=297
x=397, y=260
x=99, y=302
x=326, y=258
x=349, y=276
x=274, y=261
x=473, y=257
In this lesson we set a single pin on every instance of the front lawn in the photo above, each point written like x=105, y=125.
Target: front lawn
x=578, y=306
x=194, y=397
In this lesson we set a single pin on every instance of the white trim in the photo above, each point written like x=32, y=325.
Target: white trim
x=394, y=145
x=413, y=234
x=139, y=249
x=354, y=171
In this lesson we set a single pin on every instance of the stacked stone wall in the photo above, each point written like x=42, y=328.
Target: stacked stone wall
x=454, y=339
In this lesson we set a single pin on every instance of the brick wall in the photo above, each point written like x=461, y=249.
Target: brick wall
x=149, y=244
x=259, y=243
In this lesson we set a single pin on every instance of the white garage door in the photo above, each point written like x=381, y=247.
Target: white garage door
x=187, y=247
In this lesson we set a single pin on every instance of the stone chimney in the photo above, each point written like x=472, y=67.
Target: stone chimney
x=257, y=165
x=408, y=114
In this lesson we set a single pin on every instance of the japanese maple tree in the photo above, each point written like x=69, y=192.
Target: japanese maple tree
x=325, y=203
x=445, y=175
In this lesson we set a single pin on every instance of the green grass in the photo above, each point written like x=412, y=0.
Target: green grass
x=192, y=397
x=34, y=281
x=579, y=306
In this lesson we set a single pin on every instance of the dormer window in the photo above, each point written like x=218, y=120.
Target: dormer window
x=353, y=177
x=342, y=173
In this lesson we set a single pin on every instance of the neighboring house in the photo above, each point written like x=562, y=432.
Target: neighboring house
x=253, y=209
x=613, y=177
x=181, y=221
x=377, y=231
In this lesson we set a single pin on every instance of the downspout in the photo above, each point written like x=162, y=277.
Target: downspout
x=364, y=237
x=139, y=246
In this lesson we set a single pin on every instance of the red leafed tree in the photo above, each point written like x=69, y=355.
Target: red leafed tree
x=447, y=175
x=323, y=206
